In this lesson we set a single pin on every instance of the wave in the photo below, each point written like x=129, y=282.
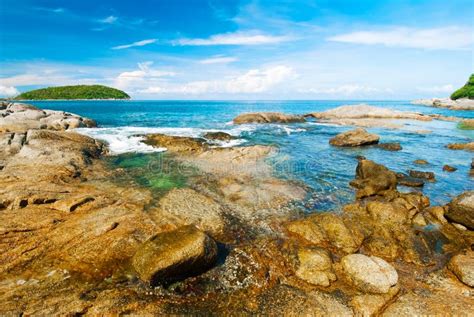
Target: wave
x=129, y=139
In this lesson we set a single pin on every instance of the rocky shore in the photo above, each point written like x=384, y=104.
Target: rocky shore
x=231, y=241
x=458, y=104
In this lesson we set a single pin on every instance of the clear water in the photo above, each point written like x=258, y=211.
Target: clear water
x=304, y=153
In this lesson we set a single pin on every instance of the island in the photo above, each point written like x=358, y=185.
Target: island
x=77, y=92
x=461, y=99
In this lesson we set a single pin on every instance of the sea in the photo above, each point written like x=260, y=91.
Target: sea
x=303, y=152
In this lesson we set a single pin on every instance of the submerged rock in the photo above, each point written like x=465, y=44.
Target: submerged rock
x=372, y=179
x=390, y=146
x=369, y=274
x=462, y=265
x=461, y=146
x=449, y=168
x=357, y=137
x=466, y=124
x=176, y=143
x=174, y=255
x=461, y=210
x=421, y=162
x=268, y=117
x=315, y=266
x=430, y=176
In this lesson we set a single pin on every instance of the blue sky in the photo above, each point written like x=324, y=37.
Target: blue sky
x=231, y=49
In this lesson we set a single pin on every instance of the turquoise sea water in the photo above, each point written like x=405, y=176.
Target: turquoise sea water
x=304, y=153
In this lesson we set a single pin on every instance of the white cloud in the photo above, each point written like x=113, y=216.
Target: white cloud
x=8, y=91
x=138, y=78
x=347, y=90
x=134, y=44
x=437, y=89
x=253, y=81
x=218, y=60
x=238, y=38
x=452, y=37
x=109, y=20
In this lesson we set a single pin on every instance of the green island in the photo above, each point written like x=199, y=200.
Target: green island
x=467, y=91
x=74, y=92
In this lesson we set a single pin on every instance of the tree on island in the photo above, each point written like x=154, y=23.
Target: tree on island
x=74, y=92
x=467, y=91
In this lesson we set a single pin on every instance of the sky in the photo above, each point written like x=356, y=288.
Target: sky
x=233, y=49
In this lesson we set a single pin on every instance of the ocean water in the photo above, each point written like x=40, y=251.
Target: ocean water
x=303, y=155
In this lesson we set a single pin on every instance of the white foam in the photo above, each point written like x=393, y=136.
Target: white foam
x=129, y=139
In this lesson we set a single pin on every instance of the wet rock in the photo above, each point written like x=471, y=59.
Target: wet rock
x=178, y=144
x=174, y=255
x=372, y=304
x=405, y=180
x=461, y=210
x=267, y=117
x=372, y=179
x=390, y=146
x=357, y=137
x=72, y=203
x=219, y=136
x=421, y=162
x=449, y=168
x=188, y=207
x=430, y=176
x=369, y=274
x=315, y=266
x=384, y=212
x=461, y=146
x=462, y=265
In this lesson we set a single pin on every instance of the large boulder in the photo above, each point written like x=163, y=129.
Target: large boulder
x=461, y=210
x=218, y=136
x=372, y=179
x=268, y=117
x=174, y=255
x=179, y=144
x=462, y=265
x=357, y=137
x=369, y=274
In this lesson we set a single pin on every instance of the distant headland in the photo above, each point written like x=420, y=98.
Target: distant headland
x=77, y=92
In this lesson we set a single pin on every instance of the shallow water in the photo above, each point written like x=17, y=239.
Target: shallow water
x=304, y=153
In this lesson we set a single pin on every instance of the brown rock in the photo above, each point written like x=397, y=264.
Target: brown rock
x=461, y=146
x=177, y=143
x=390, y=146
x=406, y=180
x=421, y=162
x=268, y=117
x=461, y=210
x=315, y=266
x=174, y=255
x=430, y=176
x=449, y=168
x=462, y=265
x=219, y=136
x=372, y=179
x=357, y=137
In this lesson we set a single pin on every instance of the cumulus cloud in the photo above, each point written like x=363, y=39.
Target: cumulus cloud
x=145, y=74
x=8, y=91
x=218, y=60
x=237, y=38
x=134, y=44
x=437, y=89
x=109, y=20
x=347, y=90
x=452, y=37
x=253, y=81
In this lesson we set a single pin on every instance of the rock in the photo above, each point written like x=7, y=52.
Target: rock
x=430, y=176
x=461, y=210
x=449, y=168
x=421, y=162
x=372, y=179
x=219, y=136
x=357, y=137
x=372, y=304
x=315, y=266
x=384, y=212
x=462, y=265
x=461, y=146
x=458, y=104
x=189, y=207
x=174, y=255
x=405, y=180
x=466, y=124
x=72, y=203
x=390, y=146
x=177, y=143
x=369, y=274
x=267, y=117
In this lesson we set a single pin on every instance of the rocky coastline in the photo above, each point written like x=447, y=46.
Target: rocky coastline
x=458, y=104
x=73, y=241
